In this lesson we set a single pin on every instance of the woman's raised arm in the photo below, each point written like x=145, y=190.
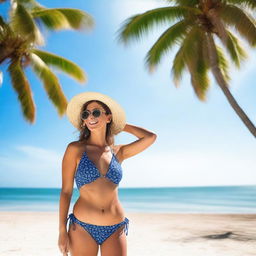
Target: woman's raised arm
x=146, y=138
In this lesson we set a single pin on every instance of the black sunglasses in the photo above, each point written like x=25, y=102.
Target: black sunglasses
x=96, y=113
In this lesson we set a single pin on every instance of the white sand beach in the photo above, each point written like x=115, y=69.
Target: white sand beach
x=158, y=234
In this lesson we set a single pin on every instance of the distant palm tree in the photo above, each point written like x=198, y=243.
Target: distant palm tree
x=198, y=24
x=20, y=38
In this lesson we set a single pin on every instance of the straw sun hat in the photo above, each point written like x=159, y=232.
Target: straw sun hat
x=74, y=108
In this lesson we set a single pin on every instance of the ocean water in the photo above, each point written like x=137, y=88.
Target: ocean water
x=219, y=199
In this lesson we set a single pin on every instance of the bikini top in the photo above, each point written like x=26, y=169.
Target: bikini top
x=87, y=171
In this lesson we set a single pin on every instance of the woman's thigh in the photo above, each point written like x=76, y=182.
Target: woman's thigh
x=80, y=241
x=115, y=245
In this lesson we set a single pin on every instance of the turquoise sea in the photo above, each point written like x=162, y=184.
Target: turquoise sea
x=219, y=199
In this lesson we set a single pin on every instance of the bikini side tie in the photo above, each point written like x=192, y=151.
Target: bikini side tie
x=126, y=226
x=70, y=218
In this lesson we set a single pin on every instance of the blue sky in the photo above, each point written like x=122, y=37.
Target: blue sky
x=198, y=143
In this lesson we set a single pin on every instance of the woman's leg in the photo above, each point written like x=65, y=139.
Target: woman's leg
x=81, y=242
x=116, y=244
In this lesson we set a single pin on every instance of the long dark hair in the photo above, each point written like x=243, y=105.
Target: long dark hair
x=85, y=132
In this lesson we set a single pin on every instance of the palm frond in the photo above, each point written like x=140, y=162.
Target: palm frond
x=185, y=52
x=63, y=64
x=199, y=77
x=5, y=30
x=243, y=23
x=243, y=3
x=2, y=23
x=191, y=55
x=166, y=41
x=198, y=65
x=77, y=19
x=235, y=50
x=139, y=24
x=223, y=63
x=22, y=88
x=178, y=66
x=51, y=83
x=63, y=18
x=52, y=19
x=23, y=24
x=241, y=52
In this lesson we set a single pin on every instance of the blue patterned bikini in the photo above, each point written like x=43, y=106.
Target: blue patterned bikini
x=86, y=173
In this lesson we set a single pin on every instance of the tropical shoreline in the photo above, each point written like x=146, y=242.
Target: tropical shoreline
x=181, y=234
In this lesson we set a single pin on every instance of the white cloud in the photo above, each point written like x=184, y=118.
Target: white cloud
x=30, y=166
x=40, y=154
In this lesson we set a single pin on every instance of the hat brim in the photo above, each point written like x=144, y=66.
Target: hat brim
x=75, y=104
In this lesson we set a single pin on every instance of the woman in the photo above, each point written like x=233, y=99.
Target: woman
x=98, y=218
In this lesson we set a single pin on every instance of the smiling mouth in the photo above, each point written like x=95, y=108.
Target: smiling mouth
x=92, y=123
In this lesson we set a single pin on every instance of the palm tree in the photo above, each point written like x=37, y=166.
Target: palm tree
x=20, y=39
x=198, y=25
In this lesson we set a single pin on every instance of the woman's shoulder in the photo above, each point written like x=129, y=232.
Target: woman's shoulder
x=75, y=148
x=75, y=145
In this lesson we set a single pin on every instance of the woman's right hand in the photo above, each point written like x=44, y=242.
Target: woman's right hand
x=63, y=243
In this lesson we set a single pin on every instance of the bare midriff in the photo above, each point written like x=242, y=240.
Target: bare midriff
x=98, y=203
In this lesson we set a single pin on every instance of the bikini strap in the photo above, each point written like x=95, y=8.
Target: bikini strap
x=112, y=150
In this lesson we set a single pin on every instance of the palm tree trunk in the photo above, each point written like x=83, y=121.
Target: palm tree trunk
x=212, y=51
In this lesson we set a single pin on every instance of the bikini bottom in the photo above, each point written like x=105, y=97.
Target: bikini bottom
x=98, y=232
